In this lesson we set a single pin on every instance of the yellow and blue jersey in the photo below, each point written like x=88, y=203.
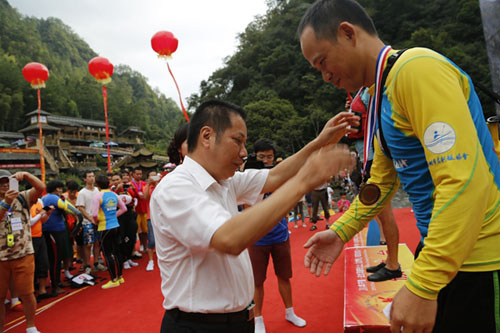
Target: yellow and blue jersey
x=443, y=156
x=107, y=214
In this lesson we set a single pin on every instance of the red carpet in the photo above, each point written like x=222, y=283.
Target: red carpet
x=136, y=305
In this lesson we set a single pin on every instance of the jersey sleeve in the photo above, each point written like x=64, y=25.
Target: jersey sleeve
x=358, y=215
x=434, y=93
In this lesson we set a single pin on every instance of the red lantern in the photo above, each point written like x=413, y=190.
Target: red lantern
x=164, y=43
x=101, y=69
x=36, y=74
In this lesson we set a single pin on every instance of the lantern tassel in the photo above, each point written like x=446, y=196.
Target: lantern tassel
x=179, y=92
x=42, y=160
x=105, y=99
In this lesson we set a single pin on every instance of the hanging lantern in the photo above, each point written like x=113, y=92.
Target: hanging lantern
x=164, y=43
x=36, y=74
x=101, y=69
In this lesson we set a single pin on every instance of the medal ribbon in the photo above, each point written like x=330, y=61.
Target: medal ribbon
x=374, y=100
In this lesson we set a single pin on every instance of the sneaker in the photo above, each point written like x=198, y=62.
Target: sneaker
x=327, y=226
x=111, y=284
x=126, y=265
x=68, y=275
x=17, y=306
x=304, y=225
x=314, y=227
x=136, y=255
x=141, y=248
x=88, y=270
x=121, y=280
x=296, y=226
x=151, y=266
x=100, y=267
x=385, y=274
x=132, y=263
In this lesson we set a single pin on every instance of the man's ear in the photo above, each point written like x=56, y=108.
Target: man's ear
x=206, y=134
x=347, y=31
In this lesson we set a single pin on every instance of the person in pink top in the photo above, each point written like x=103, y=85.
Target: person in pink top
x=343, y=204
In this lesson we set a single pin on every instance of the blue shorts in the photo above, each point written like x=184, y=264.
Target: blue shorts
x=88, y=233
x=151, y=236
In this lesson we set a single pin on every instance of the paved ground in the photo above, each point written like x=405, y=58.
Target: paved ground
x=400, y=200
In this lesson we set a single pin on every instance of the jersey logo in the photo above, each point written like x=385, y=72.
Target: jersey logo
x=439, y=137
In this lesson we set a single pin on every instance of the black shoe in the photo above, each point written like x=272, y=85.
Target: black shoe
x=385, y=274
x=314, y=227
x=383, y=243
x=373, y=269
x=44, y=296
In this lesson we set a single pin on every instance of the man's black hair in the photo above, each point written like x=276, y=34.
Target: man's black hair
x=263, y=145
x=102, y=182
x=215, y=114
x=85, y=173
x=325, y=16
x=53, y=185
x=71, y=185
x=137, y=168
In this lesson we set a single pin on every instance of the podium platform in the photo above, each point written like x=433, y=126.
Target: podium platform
x=364, y=301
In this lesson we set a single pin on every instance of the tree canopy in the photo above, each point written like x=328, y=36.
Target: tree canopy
x=286, y=100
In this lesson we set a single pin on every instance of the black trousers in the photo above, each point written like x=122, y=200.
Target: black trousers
x=128, y=230
x=317, y=197
x=110, y=246
x=469, y=303
x=172, y=324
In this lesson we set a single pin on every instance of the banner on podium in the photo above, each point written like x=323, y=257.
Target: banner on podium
x=364, y=301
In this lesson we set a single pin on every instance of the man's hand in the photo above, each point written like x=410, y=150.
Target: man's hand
x=324, y=249
x=10, y=196
x=412, y=313
x=337, y=127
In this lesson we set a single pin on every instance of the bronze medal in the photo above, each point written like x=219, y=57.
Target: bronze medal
x=369, y=194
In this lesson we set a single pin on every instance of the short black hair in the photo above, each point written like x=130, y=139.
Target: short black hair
x=325, y=16
x=215, y=114
x=71, y=185
x=263, y=145
x=85, y=173
x=137, y=168
x=53, y=185
x=102, y=182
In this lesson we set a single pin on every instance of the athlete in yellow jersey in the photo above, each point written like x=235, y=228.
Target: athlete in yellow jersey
x=442, y=154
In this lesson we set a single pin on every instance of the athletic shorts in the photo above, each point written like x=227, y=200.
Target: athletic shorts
x=21, y=272
x=41, y=257
x=151, y=236
x=88, y=233
x=282, y=261
x=142, y=223
x=309, y=199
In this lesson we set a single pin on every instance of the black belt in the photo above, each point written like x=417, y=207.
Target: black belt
x=212, y=318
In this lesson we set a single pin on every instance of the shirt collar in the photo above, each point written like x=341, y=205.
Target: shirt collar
x=199, y=173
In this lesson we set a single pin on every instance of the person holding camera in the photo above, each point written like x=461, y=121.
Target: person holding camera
x=17, y=261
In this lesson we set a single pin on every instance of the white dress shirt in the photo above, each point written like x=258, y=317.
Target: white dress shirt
x=187, y=207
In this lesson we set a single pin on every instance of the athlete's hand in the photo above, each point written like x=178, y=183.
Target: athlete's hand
x=324, y=249
x=412, y=313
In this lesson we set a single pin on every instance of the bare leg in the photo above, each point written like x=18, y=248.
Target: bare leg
x=258, y=298
x=2, y=313
x=391, y=233
x=29, y=307
x=285, y=288
x=143, y=238
x=380, y=227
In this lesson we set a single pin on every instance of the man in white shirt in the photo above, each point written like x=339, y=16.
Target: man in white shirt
x=201, y=239
x=87, y=237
